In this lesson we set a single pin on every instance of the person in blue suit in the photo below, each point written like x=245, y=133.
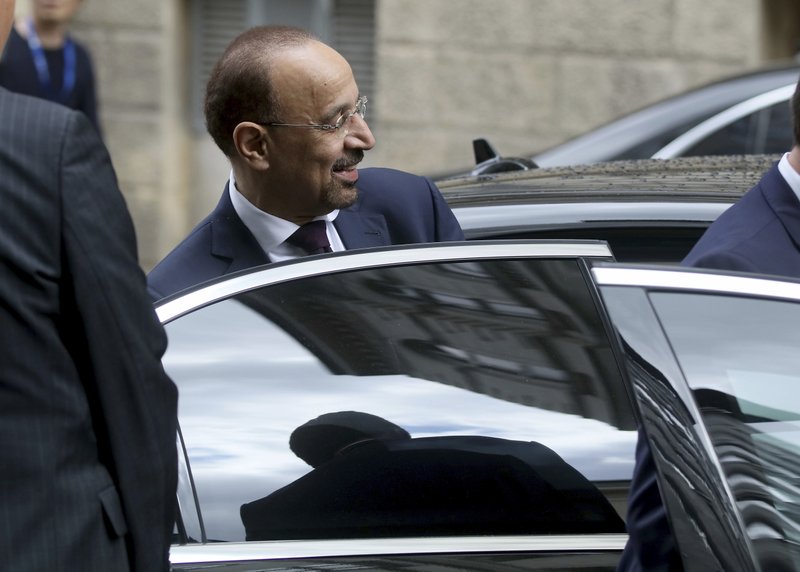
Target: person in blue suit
x=286, y=111
x=759, y=234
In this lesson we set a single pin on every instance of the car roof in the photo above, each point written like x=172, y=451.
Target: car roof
x=685, y=179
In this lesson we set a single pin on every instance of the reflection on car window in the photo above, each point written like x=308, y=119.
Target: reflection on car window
x=467, y=358
x=742, y=364
x=371, y=478
x=649, y=147
x=764, y=131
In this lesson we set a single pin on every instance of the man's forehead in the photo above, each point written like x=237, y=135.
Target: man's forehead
x=312, y=59
x=312, y=70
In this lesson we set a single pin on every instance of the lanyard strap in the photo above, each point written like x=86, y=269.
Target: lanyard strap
x=43, y=71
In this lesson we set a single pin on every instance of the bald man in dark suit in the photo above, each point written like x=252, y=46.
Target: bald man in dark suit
x=88, y=462
x=286, y=111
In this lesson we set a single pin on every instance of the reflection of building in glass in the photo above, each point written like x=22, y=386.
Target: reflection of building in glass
x=761, y=471
x=690, y=483
x=523, y=331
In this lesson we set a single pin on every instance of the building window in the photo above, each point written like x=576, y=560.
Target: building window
x=353, y=36
x=347, y=25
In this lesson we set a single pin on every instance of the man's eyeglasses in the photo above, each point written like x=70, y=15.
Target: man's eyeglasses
x=360, y=109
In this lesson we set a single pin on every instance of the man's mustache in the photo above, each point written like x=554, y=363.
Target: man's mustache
x=350, y=160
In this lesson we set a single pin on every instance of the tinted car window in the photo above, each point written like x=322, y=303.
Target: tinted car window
x=764, y=131
x=740, y=359
x=652, y=145
x=664, y=244
x=777, y=135
x=437, y=399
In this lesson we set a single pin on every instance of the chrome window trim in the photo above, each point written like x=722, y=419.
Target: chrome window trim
x=186, y=494
x=530, y=216
x=271, y=550
x=374, y=258
x=697, y=280
x=680, y=144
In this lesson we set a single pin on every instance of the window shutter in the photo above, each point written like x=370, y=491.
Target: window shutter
x=349, y=26
x=215, y=25
x=353, y=36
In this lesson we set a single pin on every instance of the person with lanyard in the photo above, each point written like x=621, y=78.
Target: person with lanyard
x=42, y=60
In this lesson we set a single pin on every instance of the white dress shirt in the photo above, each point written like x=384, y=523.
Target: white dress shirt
x=789, y=174
x=271, y=232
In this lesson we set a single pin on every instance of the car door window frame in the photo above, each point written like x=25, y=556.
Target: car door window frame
x=691, y=477
x=206, y=294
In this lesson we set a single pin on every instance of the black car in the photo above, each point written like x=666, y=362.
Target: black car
x=510, y=376
x=487, y=354
x=647, y=210
x=744, y=114
x=474, y=405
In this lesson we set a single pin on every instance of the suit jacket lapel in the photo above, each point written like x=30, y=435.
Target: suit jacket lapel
x=231, y=239
x=782, y=200
x=361, y=230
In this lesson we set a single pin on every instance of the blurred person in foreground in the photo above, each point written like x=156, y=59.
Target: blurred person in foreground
x=42, y=59
x=88, y=424
x=759, y=234
x=286, y=111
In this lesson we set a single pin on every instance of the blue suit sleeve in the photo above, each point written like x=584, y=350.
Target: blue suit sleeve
x=447, y=227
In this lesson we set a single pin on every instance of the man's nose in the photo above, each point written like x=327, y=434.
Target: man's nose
x=359, y=135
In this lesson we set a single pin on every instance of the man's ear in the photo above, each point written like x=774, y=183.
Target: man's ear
x=251, y=145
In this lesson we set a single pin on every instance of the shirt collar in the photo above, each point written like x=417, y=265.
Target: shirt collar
x=791, y=176
x=269, y=230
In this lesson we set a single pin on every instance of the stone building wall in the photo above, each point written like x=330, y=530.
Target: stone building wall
x=527, y=74
x=138, y=55
x=139, y=85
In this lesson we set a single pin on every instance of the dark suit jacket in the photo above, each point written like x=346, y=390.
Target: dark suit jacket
x=761, y=234
x=393, y=207
x=88, y=424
